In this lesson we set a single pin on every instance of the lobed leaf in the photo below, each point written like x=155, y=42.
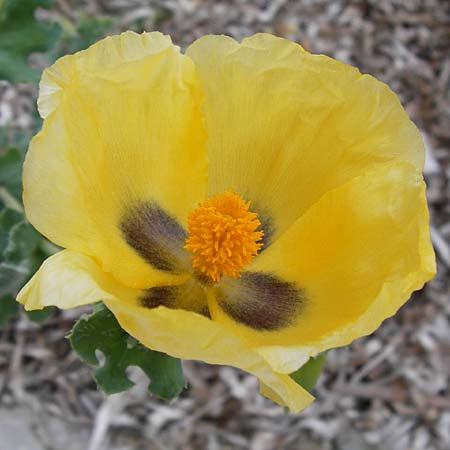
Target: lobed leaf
x=101, y=331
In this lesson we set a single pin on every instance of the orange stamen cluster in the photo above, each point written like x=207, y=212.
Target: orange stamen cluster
x=223, y=236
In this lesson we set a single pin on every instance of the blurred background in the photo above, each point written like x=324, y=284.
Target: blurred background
x=388, y=391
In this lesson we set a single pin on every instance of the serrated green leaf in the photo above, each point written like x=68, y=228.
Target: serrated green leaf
x=20, y=35
x=309, y=373
x=101, y=331
x=8, y=308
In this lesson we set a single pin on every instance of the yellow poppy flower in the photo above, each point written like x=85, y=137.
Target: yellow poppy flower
x=247, y=204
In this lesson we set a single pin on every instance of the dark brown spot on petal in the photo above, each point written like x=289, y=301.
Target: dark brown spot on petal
x=205, y=312
x=268, y=228
x=189, y=296
x=156, y=236
x=203, y=279
x=160, y=296
x=267, y=224
x=261, y=300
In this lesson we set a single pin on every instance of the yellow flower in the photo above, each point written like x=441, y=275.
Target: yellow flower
x=247, y=204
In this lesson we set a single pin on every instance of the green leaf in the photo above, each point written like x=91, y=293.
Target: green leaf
x=23, y=242
x=90, y=29
x=40, y=315
x=10, y=178
x=8, y=218
x=11, y=172
x=309, y=373
x=22, y=248
x=20, y=256
x=79, y=34
x=161, y=15
x=19, y=138
x=11, y=279
x=20, y=35
x=101, y=331
x=8, y=308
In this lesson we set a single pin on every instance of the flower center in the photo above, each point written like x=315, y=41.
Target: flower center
x=223, y=235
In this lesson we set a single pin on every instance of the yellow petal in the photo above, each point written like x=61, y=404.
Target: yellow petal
x=355, y=256
x=122, y=139
x=285, y=126
x=188, y=335
x=69, y=279
x=102, y=58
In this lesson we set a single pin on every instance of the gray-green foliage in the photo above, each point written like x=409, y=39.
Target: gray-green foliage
x=20, y=35
x=22, y=249
x=87, y=30
x=21, y=246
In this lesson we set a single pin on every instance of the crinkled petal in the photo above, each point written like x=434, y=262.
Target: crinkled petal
x=188, y=335
x=69, y=279
x=122, y=138
x=353, y=258
x=285, y=126
x=103, y=58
